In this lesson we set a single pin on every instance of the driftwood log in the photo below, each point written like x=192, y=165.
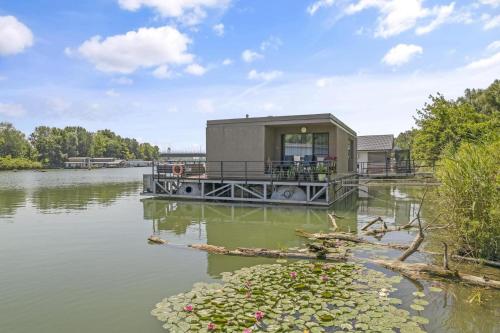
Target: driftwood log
x=348, y=237
x=259, y=252
x=420, y=270
x=156, y=240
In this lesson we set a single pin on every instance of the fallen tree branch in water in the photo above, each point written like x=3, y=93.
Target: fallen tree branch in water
x=419, y=270
x=369, y=224
x=260, y=252
x=348, y=237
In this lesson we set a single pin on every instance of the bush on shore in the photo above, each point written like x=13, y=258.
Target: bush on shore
x=18, y=163
x=469, y=198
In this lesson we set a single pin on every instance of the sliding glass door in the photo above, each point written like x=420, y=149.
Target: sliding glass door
x=306, y=146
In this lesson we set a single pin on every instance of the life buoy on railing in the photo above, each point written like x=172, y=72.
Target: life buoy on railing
x=178, y=169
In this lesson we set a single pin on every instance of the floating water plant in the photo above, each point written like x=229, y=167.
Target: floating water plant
x=294, y=297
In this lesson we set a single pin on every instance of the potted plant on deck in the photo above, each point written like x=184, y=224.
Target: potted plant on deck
x=321, y=171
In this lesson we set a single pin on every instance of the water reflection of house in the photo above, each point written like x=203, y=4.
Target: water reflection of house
x=233, y=225
x=390, y=203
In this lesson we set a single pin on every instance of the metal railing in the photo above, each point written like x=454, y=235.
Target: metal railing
x=392, y=167
x=314, y=171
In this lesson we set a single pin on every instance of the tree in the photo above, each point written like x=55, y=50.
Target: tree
x=443, y=125
x=13, y=142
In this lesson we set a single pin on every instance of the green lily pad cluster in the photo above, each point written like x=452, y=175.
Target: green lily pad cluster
x=297, y=297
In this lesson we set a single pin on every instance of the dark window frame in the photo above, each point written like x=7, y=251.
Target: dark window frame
x=313, y=143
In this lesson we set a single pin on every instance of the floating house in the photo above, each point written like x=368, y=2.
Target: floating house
x=304, y=159
x=93, y=162
x=374, y=153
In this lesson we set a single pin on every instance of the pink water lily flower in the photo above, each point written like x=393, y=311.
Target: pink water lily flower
x=188, y=308
x=293, y=275
x=324, y=278
x=211, y=326
x=247, y=330
x=259, y=315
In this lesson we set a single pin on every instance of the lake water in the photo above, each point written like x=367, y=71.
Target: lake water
x=74, y=255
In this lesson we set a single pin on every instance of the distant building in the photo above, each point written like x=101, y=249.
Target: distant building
x=374, y=153
x=182, y=156
x=138, y=163
x=93, y=162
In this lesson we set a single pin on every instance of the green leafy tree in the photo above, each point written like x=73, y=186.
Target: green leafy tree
x=13, y=142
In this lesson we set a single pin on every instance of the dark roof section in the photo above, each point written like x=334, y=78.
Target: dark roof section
x=286, y=120
x=375, y=142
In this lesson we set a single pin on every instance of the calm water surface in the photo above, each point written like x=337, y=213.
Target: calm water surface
x=74, y=255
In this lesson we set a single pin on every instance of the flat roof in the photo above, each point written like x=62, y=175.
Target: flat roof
x=286, y=120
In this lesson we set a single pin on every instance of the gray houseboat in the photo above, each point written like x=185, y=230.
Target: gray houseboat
x=306, y=159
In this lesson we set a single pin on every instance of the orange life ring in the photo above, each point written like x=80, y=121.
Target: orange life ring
x=178, y=169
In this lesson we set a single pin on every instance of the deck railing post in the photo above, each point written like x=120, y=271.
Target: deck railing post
x=246, y=172
x=222, y=171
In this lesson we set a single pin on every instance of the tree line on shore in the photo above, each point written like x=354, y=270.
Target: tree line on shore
x=462, y=136
x=51, y=146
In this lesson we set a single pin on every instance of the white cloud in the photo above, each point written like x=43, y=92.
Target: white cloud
x=491, y=22
x=162, y=72
x=146, y=47
x=15, y=37
x=401, y=54
x=188, y=11
x=3, y=78
x=324, y=82
x=485, y=63
x=250, y=56
x=493, y=3
x=264, y=76
x=11, y=110
x=112, y=93
x=397, y=16
x=494, y=45
x=272, y=43
x=443, y=14
x=195, y=69
x=172, y=109
x=315, y=6
x=123, y=80
x=205, y=105
x=219, y=29
x=227, y=62
x=58, y=105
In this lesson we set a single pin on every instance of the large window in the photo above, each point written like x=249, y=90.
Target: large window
x=310, y=144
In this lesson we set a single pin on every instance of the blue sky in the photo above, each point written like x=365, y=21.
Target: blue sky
x=158, y=69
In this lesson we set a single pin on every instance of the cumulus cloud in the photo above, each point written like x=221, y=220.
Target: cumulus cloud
x=11, y=110
x=493, y=45
x=397, y=16
x=401, y=54
x=491, y=22
x=144, y=48
x=162, y=72
x=188, y=11
x=250, y=56
x=15, y=37
x=264, y=76
x=195, y=69
x=218, y=29
x=227, y=61
x=315, y=6
x=485, y=63
x=442, y=15
x=272, y=43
